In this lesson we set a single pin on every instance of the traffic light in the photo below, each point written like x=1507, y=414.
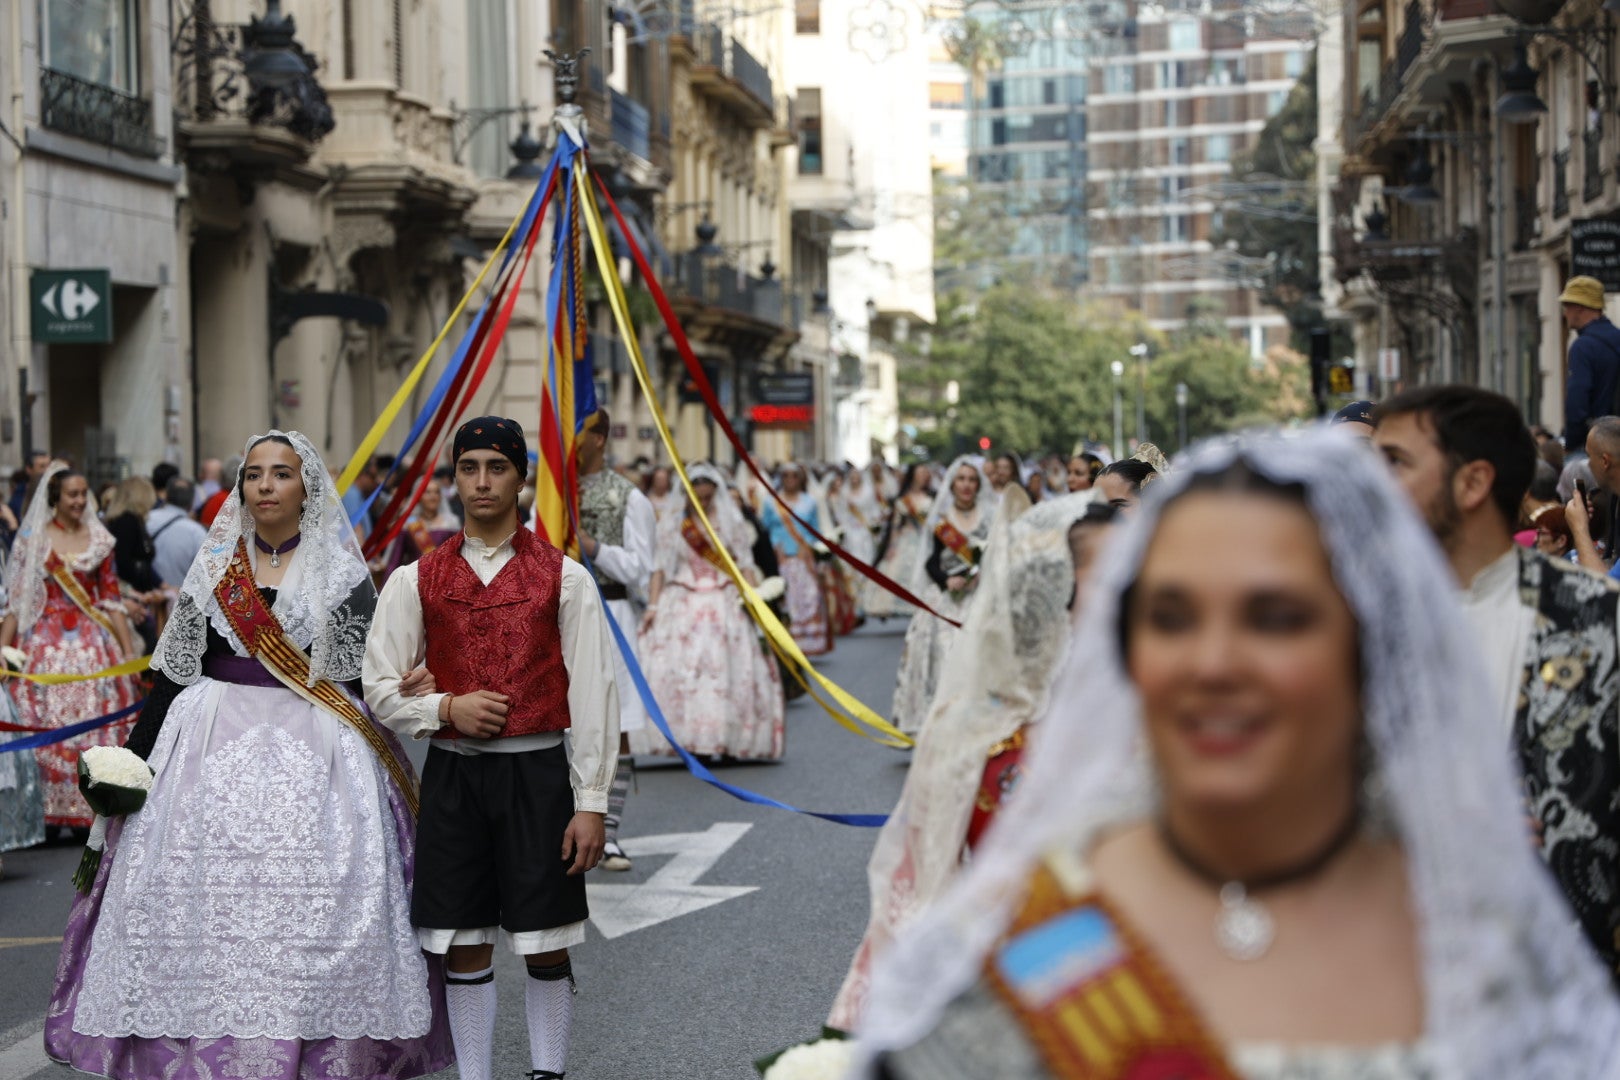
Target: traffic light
x=984, y=442
x=1341, y=379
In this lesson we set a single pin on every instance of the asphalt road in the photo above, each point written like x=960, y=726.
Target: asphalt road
x=675, y=989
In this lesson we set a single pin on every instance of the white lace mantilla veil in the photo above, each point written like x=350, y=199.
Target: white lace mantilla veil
x=25, y=573
x=986, y=502
x=727, y=520
x=1510, y=987
x=313, y=601
x=994, y=681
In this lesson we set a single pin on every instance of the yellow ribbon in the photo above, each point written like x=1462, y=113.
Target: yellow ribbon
x=780, y=640
x=51, y=678
x=368, y=445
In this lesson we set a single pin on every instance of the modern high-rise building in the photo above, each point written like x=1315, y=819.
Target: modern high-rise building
x=1167, y=115
x=1108, y=144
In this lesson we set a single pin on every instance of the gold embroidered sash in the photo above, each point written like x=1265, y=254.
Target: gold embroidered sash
x=698, y=542
x=260, y=632
x=1094, y=1001
x=70, y=583
x=957, y=541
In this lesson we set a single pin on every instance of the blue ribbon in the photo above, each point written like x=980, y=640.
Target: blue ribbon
x=46, y=738
x=693, y=765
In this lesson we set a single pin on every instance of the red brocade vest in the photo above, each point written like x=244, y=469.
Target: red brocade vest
x=503, y=637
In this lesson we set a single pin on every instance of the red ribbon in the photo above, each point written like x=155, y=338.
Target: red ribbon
x=712, y=402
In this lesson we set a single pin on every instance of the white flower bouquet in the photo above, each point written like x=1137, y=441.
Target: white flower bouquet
x=771, y=589
x=14, y=658
x=825, y=1059
x=114, y=781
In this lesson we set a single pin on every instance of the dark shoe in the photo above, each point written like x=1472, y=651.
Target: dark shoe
x=613, y=857
x=544, y=1074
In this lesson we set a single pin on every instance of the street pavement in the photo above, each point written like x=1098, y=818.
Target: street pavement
x=726, y=942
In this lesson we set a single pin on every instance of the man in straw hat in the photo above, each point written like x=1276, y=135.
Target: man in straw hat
x=1594, y=361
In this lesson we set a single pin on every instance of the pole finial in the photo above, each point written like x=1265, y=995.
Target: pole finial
x=565, y=74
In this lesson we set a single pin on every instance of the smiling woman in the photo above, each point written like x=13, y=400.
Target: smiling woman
x=1261, y=816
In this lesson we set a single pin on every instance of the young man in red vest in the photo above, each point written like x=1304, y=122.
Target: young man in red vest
x=514, y=634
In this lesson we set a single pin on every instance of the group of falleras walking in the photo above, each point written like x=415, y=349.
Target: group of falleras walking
x=1211, y=782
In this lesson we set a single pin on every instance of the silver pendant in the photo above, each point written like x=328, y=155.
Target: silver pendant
x=1244, y=929
x=275, y=559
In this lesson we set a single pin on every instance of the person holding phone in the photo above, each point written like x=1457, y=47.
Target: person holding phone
x=1603, y=457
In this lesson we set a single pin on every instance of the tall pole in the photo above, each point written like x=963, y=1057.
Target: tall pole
x=1118, y=369
x=1140, y=351
x=1181, y=416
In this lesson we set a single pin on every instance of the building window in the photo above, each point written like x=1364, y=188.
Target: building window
x=95, y=40
x=1185, y=36
x=1119, y=79
x=809, y=114
x=1218, y=148
x=807, y=16
x=1180, y=151
x=1177, y=229
x=1294, y=64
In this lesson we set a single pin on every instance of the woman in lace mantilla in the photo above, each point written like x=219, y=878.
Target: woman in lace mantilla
x=257, y=916
x=75, y=628
x=948, y=549
x=1257, y=809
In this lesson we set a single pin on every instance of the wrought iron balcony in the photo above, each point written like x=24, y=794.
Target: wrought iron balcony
x=632, y=125
x=734, y=75
x=1592, y=164
x=226, y=109
x=1560, y=184
x=88, y=110
x=713, y=282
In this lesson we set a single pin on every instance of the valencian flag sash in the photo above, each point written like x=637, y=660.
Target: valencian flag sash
x=260, y=632
x=953, y=538
x=1093, y=1000
x=70, y=583
x=699, y=543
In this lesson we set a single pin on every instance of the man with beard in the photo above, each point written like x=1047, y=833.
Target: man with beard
x=1547, y=630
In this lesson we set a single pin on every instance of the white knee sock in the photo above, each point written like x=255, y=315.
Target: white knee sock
x=549, y=1002
x=470, y=999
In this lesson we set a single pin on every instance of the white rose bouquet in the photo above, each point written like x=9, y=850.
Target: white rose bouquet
x=771, y=589
x=825, y=1059
x=14, y=658
x=114, y=781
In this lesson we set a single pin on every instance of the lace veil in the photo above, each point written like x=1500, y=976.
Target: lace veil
x=25, y=574
x=920, y=582
x=325, y=601
x=727, y=520
x=1511, y=988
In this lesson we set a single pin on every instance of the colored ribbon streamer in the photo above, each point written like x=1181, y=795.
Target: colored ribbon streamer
x=696, y=767
x=47, y=738
x=855, y=713
x=52, y=678
x=396, y=404
x=712, y=402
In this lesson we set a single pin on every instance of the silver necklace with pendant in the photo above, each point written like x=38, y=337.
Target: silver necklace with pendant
x=1244, y=927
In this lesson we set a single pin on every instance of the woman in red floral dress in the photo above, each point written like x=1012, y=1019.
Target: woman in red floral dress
x=66, y=614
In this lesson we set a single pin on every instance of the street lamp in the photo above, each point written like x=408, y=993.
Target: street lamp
x=1181, y=415
x=1140, y=351
x=1118, y=368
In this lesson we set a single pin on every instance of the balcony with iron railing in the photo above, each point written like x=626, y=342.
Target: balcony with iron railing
x=1592, y=165
x=733, y=75
x=1560, y=180
x=97, y=113
x=222, y=111
x=709, y=280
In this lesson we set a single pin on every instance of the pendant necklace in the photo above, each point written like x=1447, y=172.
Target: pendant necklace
x=276, y=553
x=1244, y=927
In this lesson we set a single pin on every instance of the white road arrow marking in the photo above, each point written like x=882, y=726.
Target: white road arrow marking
x=672, y=891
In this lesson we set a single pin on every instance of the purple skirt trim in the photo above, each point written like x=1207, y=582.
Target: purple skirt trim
x=136, y=1058
x=243, y=670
